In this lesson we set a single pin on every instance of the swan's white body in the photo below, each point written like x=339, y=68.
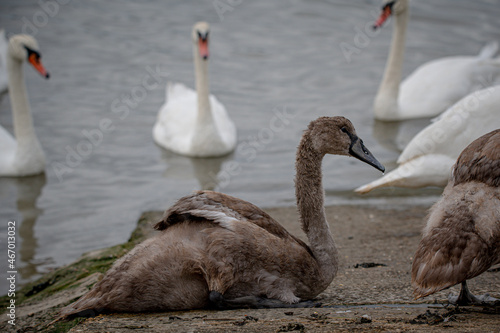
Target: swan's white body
x=195, y=123
x=3, y=62
x=428, y=158
x=434, y=86
x=178, y=129
x=22, y=156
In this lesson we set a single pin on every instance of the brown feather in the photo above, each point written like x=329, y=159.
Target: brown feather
x=480, y=161
x=462, y=236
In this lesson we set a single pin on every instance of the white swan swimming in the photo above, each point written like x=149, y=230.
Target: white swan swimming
x=22, y=156
x=435, y=85
x=3, y=62
x=428, y=158
x=195, y=123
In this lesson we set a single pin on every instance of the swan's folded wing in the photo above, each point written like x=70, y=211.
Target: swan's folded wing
x=222, y=209
x=465, y=121
x=224, y=124
x=178, y=90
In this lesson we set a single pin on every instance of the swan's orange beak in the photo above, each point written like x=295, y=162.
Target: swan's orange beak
x=35, y=61
x=386, y=12
x=203, y=48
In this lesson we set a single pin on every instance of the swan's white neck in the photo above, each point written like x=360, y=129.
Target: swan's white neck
x=386, y=101
x=29, y=152
x=310, y=202
x=201, y=76
x=205, y=135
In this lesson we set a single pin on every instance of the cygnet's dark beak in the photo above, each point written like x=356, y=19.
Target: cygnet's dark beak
x=362, y=153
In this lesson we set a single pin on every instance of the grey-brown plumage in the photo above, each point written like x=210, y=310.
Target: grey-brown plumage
x=462, y=236
x=217, y=250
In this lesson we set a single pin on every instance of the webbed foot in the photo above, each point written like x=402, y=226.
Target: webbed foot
x=467, y=298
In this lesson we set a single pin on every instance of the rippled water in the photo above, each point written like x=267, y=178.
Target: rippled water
x=269, y=60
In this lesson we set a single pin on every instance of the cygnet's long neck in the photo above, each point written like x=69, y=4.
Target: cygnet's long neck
x=386, y=101
x=310, y=202
x=22, y=119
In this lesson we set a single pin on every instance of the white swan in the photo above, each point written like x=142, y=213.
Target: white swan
x=22, y=156
x=194, y=123
x=434, y=86
x=3, y=62
x=428, y=158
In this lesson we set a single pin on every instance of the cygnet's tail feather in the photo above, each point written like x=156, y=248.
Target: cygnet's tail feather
x=87, y=306
x=74, y=310
x=421, y=292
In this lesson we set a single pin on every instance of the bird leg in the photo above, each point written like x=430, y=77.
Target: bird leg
x=467, y=298
x=219, y=302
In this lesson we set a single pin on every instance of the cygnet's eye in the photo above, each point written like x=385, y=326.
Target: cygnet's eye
x=343, y=129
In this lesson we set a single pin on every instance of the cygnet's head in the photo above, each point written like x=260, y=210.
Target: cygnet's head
x=337, y=136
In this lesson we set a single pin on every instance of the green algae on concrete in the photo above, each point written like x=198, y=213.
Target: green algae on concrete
x=94, y=263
